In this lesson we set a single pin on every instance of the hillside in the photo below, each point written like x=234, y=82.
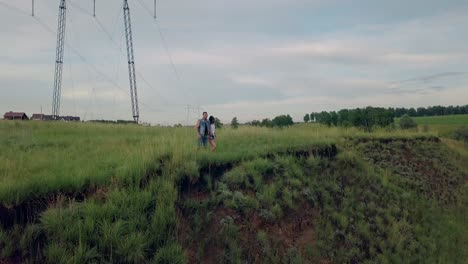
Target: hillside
x=76, y=193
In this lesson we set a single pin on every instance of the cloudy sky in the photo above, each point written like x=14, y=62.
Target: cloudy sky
x=244, y=58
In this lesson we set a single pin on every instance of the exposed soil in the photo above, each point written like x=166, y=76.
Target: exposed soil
x=390, y=140
x=295, y=230
x=157, y=171
x=28, y=211
x=323, y=152
x=425, y=165
x=14, y=260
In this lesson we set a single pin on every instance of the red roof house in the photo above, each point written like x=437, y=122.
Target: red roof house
x=15, y=116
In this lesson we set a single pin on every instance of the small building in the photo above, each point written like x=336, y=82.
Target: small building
x=15, y=116
x=38, y=117
x=42, y=117
x=70, y=118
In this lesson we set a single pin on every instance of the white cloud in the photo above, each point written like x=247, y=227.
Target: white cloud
x=35, y=72
x=410, y=58
x=252, y=80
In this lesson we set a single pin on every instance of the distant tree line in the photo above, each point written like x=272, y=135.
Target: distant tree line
x=279, y=121
x=370, y=117
x=366, y=118
x=431, y=111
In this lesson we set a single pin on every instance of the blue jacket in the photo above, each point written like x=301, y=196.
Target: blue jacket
x=204, y=128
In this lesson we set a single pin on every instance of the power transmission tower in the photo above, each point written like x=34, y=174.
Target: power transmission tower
x=59, y=60
x=131, y=62
x=60, y=53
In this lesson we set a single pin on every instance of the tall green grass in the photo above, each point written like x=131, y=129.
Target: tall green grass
x=38, y=158
x=143, y=185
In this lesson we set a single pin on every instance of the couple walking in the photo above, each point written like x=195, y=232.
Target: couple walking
x=205, y=129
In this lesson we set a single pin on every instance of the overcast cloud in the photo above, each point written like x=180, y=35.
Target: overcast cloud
x=250, y=59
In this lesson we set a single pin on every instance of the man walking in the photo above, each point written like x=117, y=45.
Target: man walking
x=203, y=129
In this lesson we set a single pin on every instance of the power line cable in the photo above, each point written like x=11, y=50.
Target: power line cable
x=159, y=31
x=81, y=57
x=14, y=8
x=97, y=71
x=163, y=40
x=78, y=7
x=140, y=75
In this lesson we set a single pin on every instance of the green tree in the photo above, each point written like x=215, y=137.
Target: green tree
x=313, y=117
x=343, y=117
x=356, y=117
x=406, y=122
x=334, y=118
x=266, y=123
x=306, y=118
x=234, y=123
x=421, y=111
x=283, y=121
x=218, y=123
x=412, y=111
x=324, y=118
x=256, y=123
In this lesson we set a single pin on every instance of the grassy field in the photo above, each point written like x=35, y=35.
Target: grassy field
x=92, y=193
x=42, y=158
x=444, y=126
x=443, y=120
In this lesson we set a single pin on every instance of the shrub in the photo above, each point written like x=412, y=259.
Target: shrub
x=461, y=134
x=132, y=248
x=236, y=178
x=268, y=195
x=171, y=253
x=407, y=122
x=56, y=253
x=241, y=203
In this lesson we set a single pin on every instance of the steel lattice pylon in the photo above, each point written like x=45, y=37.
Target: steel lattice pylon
x=59, y=60
x=131, y=62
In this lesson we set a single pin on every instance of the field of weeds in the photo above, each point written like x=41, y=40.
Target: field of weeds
x=90, y=193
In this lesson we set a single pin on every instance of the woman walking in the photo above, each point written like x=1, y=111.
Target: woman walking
x=212, y=136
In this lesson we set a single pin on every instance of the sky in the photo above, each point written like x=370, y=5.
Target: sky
x=249, y=59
